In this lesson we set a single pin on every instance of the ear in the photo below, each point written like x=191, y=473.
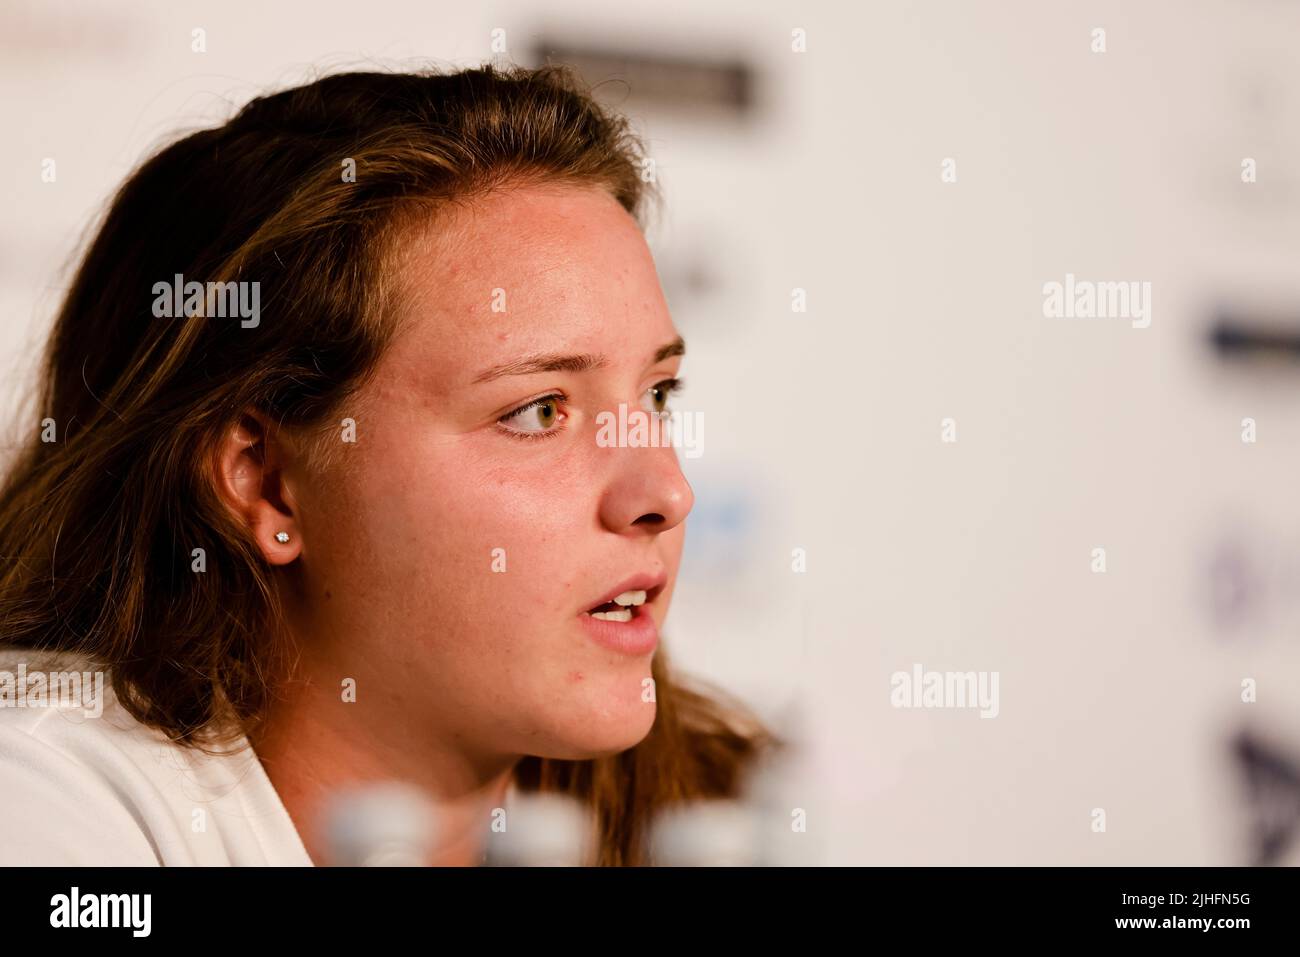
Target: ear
x=251, y=482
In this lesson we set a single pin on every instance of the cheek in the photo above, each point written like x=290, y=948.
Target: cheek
x=476, y=531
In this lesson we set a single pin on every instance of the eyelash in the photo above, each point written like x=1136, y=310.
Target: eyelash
x=671, y=386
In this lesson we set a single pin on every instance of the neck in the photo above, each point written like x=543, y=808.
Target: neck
x=313, y=745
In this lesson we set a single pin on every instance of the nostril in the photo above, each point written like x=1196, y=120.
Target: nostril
x=650, y=518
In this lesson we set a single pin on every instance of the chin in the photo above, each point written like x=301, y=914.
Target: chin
x=596, y=735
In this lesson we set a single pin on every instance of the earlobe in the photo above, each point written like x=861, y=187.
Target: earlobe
x=282, y=546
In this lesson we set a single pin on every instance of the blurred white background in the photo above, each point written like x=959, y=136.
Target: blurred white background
x=1120, y=690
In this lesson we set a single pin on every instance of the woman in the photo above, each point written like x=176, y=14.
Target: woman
x=317, y=472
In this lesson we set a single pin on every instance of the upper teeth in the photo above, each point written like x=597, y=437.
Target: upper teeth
x=630, y=598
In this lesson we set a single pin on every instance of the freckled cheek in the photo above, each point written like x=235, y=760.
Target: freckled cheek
x=502, y=529
x=546, y=555
x=520, y=537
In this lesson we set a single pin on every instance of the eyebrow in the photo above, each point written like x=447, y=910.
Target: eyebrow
x=557, y=362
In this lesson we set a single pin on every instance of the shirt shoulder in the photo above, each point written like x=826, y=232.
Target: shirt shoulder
x=85, y=783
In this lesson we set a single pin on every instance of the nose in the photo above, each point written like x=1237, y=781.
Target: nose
x=647, y=494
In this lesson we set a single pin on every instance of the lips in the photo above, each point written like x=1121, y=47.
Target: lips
x=621, y=620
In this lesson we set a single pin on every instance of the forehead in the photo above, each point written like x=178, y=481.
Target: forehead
x=528, y=269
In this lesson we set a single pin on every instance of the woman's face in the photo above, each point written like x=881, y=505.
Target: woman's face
x=450, y=563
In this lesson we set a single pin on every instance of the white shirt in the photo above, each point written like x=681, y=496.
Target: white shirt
x=77, y=788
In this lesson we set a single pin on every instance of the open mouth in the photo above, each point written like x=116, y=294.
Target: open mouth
x=624, y=606
x=621, y=608
x=623, y=620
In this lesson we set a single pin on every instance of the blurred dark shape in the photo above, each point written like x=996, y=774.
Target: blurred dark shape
x=679, y=84
x=1233, y=338
x=1233, y=586
x=1272, y=781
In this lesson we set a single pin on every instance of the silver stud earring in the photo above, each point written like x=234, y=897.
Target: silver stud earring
x=281, y=537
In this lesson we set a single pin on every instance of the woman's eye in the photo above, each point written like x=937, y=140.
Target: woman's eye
x=657, y=395
x=540, y=415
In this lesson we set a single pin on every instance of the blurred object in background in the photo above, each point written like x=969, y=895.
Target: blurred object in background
x=768, y=825
x=1251, y=579
x=714, y=833
x=635, y=79
x=706, y=834
x=380, y=825
x=542, y=830
x=1271, y=780
x=785, y=795
x=1237, y=337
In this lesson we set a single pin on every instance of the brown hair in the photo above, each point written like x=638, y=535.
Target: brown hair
x=97, y=528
